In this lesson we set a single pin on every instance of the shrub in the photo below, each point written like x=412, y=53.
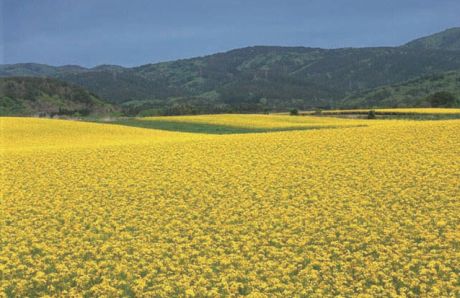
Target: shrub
x=371, y=114
x=442, y=99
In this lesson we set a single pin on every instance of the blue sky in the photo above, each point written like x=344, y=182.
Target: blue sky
x=135, y=32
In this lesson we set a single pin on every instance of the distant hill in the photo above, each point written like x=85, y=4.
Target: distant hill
x=258, y=78
x=412, y=93
x=27, y=96
x=445, y=40
x=38, y=70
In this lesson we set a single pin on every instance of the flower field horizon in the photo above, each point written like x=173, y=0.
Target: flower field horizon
x=422, y=111
x=369, y=208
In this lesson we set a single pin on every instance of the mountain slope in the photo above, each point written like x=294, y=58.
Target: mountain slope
x=36, y=96
x=446, y=40
x=38, y=70
x=408, y=94
x=258, y=78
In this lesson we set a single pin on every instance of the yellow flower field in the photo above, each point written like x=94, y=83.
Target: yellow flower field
x=19, y=134
x=434, y=111
x=104, y=210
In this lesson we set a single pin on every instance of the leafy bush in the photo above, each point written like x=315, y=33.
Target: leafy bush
x=443, y=99
x=371, y=114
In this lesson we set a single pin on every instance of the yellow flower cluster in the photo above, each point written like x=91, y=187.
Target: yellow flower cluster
x=103, y=210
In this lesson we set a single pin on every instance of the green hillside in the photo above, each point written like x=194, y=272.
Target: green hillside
x=255, y=79
x=44, y=96
x=38, y=70
x=445, y=40
x=413, y=93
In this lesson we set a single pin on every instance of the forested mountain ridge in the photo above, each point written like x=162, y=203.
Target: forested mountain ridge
x=445, y=40
x=260, y=77
x=25, y=96
x=413, y=93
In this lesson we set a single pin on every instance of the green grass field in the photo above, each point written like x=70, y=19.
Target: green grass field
x=203, y=127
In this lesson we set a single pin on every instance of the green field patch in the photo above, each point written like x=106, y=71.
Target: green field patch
x=205, y=128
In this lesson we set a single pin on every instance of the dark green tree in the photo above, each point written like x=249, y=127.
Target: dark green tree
x=443, y=99
x=371, y=114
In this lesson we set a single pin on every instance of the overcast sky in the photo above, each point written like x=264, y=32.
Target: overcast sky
x=135, y=32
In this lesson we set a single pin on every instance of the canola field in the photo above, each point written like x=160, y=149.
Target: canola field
x=394, y=111
x=101, y=210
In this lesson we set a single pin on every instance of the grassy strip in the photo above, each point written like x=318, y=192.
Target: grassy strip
x=204, y=128
x=185, y=126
